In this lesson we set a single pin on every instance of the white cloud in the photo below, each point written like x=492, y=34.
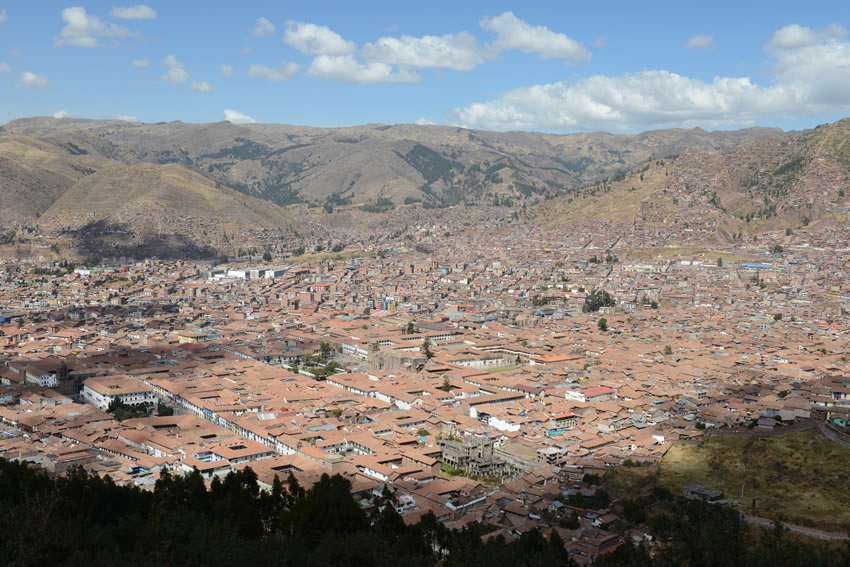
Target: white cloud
x=246, y=51
x=3, y=15
x=640, y=100
x=202, y=87
x=139, y=63
x=347, y=69
x=796, y=36
x=808, y=77
x=16, y=52
x=263, y=28
x=124, y=117
x=284, y=72
x=4, y=67
x=82, y=30
x=29, y=80
x=701, y=41
x=176, y=74
x=171, y=61
x=517, y=34
x=316, y=40
x=451, y=51
x=236, y=117
x=424, y=122
x=813, y=73
x=138, y=12
x=226, y=70
x=61, y=114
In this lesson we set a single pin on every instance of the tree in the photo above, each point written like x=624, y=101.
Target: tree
x=122, y=411
x=596, y=300
x=164, y=410
x=602, y=324
x=447, y=385
x=654, y=304
x=719, y=262
x=325, y=349
x=267, y=256
x=426, y=348
x=788, y=232
x=668, y=350
x=777, y=317
x=411, y=328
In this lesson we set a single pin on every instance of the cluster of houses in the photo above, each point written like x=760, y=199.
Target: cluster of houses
x=467, y=377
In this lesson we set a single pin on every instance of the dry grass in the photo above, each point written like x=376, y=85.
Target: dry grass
x=118, y=284
x=322, y=256
x=696, y=253
x=799, y=476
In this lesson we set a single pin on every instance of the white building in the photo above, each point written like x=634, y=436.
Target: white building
x=102, y=391
x=355, y=350
x=575, y=396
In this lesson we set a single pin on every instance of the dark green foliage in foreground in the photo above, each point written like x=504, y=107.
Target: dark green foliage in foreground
x=694, y=533
x=80, y=519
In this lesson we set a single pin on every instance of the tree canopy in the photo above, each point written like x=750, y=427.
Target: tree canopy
x=596, y=300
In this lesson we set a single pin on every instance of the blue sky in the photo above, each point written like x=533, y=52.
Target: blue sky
x=558, y=66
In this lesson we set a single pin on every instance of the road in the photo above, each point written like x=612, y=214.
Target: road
x=811, y=532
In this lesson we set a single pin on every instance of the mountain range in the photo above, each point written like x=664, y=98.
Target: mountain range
x=434, y=165
x=213, y=183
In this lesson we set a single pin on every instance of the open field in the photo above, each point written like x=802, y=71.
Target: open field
x=322, y=256
x=503, y=369
x=800, y=477
x=118, y=284
x=697, y=253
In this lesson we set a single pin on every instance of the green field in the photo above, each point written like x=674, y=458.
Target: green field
x=800, y=477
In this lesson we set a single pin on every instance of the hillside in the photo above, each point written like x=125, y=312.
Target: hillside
x=96, y=205
x=433, y=165
x=34, y=173
x=163, y=209
x=793, y=182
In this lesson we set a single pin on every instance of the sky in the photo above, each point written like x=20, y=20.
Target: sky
x=552, y=66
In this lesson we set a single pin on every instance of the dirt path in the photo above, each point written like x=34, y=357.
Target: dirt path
x=811, y=532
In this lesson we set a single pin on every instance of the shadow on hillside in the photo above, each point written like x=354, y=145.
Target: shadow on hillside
x=108, y=240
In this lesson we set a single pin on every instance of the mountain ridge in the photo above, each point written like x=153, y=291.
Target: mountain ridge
x=434, y=165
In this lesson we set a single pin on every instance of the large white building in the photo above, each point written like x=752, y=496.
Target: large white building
x=102, y=391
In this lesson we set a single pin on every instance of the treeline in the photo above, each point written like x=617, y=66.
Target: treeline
x=81, y=519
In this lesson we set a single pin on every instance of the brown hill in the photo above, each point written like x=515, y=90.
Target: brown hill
x=34, y=173
x=435, y=165
x=161, y=210
x=772, y=184
x=145, y=208
x=149, y=194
